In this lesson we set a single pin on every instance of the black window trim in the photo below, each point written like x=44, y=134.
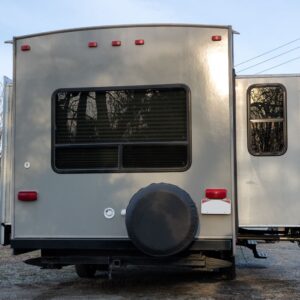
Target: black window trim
x=284, y=120
x=118, y=169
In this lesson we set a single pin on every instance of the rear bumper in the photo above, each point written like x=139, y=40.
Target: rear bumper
x=120, y=245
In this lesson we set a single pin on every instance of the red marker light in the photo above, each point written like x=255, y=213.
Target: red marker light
x=215, y=193
x=139, y=42
x=216, y=38
x=116, y=43
x=27, y=196
x=25, y=47
x=93, y=44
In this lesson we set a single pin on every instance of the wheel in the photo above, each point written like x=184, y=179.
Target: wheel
x=102, y=268
x=86, y=271
x=229, y=273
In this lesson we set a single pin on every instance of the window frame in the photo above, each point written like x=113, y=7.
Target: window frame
x=284, y=121
x=119, y=168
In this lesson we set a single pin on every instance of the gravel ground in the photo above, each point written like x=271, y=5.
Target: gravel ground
x=277, y=277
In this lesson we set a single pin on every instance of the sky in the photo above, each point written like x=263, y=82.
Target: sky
x=264, y=25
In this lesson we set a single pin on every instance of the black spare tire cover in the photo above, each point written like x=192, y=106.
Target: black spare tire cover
x=161, y=219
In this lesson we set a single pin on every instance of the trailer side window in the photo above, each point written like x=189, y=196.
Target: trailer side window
x=267, y=120
x=121, y=130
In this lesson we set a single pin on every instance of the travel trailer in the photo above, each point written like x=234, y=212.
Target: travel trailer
x=138, y=145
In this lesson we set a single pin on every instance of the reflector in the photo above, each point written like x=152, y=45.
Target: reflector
x=27, y=196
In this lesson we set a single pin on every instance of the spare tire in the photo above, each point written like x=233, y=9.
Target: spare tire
x=161, y=219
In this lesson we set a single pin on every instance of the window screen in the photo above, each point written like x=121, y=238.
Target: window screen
x=267, y=120
x=121, y=129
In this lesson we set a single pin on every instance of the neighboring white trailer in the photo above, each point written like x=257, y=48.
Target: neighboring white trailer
x=6, y=188
x=130, y=148
x=268, y=161
x=268, y=150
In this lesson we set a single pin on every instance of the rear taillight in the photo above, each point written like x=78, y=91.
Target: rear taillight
x=216, y=193
x=27, y=196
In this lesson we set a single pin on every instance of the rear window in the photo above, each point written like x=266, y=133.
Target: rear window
x=267, y=120
x=121, y=130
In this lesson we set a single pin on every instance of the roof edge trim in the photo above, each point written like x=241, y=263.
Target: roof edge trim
x=123, y=26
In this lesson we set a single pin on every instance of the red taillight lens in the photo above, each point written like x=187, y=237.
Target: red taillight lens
x=93, y=44
x=216, y=38
x=216, y=193
x=27, y=196
x=139, y=42
x=25, y=47
x=116, y=43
